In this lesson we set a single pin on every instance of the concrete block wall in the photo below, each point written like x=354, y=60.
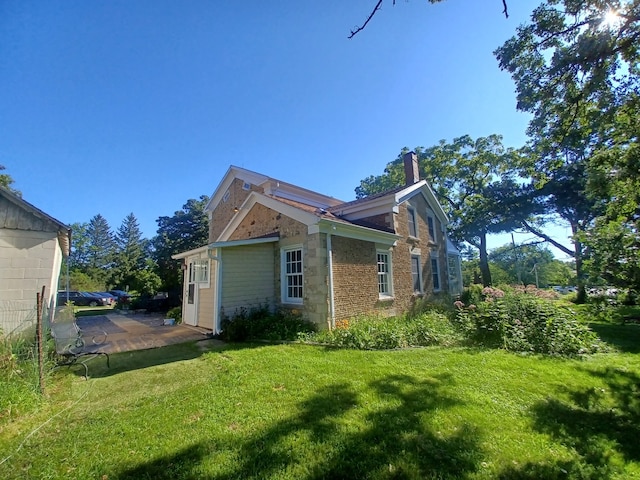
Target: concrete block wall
x=29, y=260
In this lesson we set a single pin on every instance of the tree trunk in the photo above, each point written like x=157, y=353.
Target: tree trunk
x=484, y=261
x=582, y=292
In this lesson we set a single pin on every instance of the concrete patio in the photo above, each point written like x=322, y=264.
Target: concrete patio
x=136, y=331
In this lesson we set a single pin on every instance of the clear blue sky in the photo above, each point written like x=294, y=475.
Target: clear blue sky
x=114, y=107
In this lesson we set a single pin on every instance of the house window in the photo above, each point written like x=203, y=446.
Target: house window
x=199, y=271
x=293, y=278
x=415, y=274
x=435, y=272
x=226, y=196
x=411, y=214
x=455, y=283
x=384, y=274
x=432, y=229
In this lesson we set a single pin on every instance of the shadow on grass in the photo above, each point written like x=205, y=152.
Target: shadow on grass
x=624, y=338
x=319, y=442
x=601, y=425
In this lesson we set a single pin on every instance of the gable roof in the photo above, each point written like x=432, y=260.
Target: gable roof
x=25, y=221
x=270, y=186
x=316, y=220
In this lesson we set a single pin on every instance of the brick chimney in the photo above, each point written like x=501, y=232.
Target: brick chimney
x=411, y=172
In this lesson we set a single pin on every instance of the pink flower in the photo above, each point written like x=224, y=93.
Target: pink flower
x=458, y=304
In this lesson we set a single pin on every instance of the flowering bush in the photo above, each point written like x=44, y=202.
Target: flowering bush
x=523, y=319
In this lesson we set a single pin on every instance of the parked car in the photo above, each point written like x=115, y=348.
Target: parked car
x=111, y=299
x=121, y=295
x=82, y=299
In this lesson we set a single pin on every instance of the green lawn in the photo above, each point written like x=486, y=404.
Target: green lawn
x=308, y=412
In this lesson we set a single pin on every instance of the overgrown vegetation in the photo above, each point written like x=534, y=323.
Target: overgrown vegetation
x=263, y=324
x=19, y=381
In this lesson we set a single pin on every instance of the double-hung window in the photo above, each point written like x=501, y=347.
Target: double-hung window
x=384, y=274
x=411, y=220
x=416, y=275
x=435, y=271
x=292, y=275
x=432, y=228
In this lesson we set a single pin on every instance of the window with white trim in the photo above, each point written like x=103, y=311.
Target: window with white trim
x=384, y=274
x=292, y=275
x=432, y=229
x=411, y=220
x=416, y=275
x=435, y=272
x=199, y=271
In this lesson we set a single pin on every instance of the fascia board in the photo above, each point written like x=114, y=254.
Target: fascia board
x=238, y=243
x=422, y=187
x=376, y=206
x=300, y=194
x=253, y=198
x=356, y=232
x=195, y=251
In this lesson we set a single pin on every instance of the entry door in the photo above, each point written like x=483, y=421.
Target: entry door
x=191, y=304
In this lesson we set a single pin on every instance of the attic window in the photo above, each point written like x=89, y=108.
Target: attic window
x=246, y=186
x=226, y=196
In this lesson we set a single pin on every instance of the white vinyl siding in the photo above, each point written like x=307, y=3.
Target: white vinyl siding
x=247, y=277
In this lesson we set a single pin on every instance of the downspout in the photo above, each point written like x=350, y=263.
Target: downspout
x=218, y=300
x=332, y=306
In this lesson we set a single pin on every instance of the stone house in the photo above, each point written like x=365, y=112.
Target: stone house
x=32, y=245
x=277, y=244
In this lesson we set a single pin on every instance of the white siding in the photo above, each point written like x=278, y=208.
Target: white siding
x=248, y=277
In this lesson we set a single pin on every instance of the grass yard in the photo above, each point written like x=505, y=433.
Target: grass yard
x=307, y=412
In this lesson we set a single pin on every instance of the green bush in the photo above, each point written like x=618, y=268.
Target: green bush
x=176, y=314
x=380, y=333
x=261, y=324
x=525, y=320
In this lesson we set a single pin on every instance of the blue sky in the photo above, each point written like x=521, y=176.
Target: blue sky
x=114, y=107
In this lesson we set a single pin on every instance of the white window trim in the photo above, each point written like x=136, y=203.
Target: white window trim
x=283, y=275
x=412, y=216
x=193, y=269
x=421, y=290
x=431, y=216
x=434, y=256
x=389, y=294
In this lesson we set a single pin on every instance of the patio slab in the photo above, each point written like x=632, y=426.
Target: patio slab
x=137, y=331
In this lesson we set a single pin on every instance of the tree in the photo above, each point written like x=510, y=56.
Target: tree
x=527, y=264
x=478, y=184
x=130, y=254
x=6, y=181
x=378, y=5
x=575, y=66
x=185, y=230
x=79, y=255
x=100, y=248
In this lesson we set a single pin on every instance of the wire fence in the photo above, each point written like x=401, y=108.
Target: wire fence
x=19, y=317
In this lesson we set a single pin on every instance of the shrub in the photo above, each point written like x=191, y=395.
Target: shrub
x=176, y=314
x=380, y=333
x=261, y=324
x=525, y=320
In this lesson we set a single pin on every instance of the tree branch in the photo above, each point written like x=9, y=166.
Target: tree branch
x=373, y=12
x=547, y=238
x=377, y=7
